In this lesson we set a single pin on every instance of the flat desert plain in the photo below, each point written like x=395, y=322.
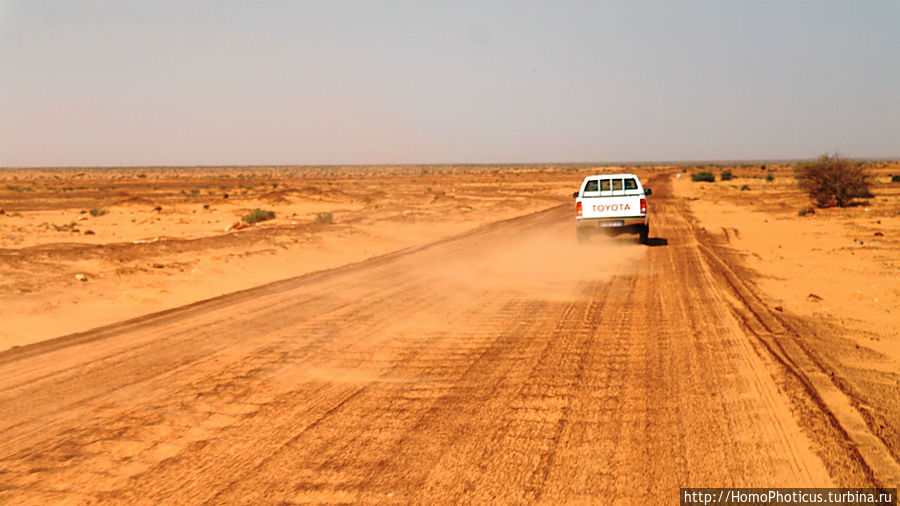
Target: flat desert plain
x=144, y=240
x=436, y=334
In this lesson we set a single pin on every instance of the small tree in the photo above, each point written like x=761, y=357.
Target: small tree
x=833, y=181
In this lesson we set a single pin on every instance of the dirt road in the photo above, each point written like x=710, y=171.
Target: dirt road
x=505, y=365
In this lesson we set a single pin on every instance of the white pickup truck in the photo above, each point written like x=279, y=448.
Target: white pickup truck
x=612, y=203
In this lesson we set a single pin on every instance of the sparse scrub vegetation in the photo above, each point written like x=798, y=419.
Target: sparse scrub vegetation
x=833, y=181
x=65, y=228
x=745, y=187
x=706, y=177
x=97, y=212
x=324, y=219
x=770, y=177
x=258, y=215
x=727, y=175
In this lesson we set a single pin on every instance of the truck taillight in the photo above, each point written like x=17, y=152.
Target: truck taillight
x=578, y=209
x=643, y=206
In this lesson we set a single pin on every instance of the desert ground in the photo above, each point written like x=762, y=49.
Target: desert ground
x=436, y=334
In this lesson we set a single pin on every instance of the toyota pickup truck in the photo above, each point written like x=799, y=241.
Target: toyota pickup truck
x=612, y=203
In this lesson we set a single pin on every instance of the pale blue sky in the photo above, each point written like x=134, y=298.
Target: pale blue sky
x=338, y=82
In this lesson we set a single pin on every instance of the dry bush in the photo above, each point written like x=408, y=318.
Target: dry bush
x=833, y=181
x=324, y=218
x=258, y=215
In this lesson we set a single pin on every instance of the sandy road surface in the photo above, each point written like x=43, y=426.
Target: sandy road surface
x=505, y=365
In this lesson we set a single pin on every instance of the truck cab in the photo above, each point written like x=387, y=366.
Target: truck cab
x=612, y=204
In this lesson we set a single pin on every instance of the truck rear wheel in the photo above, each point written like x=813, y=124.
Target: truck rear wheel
x=645, y=234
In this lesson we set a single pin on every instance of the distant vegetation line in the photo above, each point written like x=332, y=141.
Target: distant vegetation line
x=638, y=163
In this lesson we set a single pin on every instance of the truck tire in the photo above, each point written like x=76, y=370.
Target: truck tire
x=645, y=234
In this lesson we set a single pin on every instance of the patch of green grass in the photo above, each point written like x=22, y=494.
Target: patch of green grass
x=324, y=218
x=258, y=215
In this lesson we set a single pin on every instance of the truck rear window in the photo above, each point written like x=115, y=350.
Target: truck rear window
x=604, y=186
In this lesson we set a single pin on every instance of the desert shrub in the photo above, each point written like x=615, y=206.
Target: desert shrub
x=258, y=215
x=802, y=212
x=16, y=188
x=745, y=188
x=833, y=181
x=324, y=218
x=727, y=175
x=895, y=179
x=97, y=212
x=703, y=176
x=770, y=177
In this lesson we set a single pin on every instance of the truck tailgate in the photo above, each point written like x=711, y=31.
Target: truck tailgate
x=610, y=207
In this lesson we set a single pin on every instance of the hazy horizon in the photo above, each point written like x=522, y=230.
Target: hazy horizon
x=130, y=84
x=599, y=163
